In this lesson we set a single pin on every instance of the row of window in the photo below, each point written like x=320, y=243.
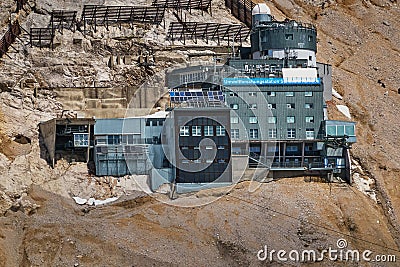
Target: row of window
x=289, y=36
x=272, y=133
x=154, y=122
x=272, y=119
x=202, y=130
x=209, y=161
x=205, y=147
x=271, y=93
x=273, y=106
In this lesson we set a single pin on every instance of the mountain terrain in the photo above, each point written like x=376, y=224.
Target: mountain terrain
x=41, y=225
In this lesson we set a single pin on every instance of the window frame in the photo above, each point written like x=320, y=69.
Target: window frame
x=272, y=133
x=253, y=120
x=196, y=130
x=235, y=133
x=253, y=133
x=291, y=133
x=207, y=131
x=220, y=130
x=272, y=119
x=308, y=94
x=290, y=119
x=184, y=130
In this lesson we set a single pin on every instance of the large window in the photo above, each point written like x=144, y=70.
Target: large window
x=220, y=131
x=253, y=133
x=184, y=131
x=208, y=130
x=310, y=119
x=310, y=133
x=290, y=119
x=196, y=130
x=291, y=133
x=81, y=140
x=340, y=130
x=235, y=133
x=234, y=119
x=272, y=133
x=253, y=120
x=272, y=120
x=114, y=139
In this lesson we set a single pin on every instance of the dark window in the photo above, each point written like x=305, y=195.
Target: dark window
x=114, y=139
x=289, y=36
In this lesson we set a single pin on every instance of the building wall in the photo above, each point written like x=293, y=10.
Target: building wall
x=277, y=96
x=128, y=146
x=192, y=155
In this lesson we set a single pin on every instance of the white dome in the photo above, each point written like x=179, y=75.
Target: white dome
x=261, y=9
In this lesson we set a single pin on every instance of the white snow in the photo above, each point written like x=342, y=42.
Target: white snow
x=336, y=94
x=105, y=201
x=91, y=201
x=345, y=110
x=80, y=201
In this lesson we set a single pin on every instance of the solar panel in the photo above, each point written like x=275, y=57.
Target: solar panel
x=196, y=96
x=207, y=31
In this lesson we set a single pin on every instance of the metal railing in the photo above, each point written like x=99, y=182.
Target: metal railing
x=9, y=37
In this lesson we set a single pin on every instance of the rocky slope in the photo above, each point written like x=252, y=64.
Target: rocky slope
x=39, y=228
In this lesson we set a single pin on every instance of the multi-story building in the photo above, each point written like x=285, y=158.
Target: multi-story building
x=276, y=92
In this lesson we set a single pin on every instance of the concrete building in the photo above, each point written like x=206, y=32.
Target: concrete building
x=277, y=92
x=128, y=146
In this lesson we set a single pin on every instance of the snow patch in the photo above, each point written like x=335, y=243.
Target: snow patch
x=345, y=110
x=80, y=201
x=91, y=201
x=336, y=94
x=105, y=201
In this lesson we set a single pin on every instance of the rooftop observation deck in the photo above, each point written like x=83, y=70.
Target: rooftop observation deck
x=287, y=24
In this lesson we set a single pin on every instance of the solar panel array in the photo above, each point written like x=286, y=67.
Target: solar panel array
x=184, y=4
x=207, y=31
x=196, y=96
x=106, y=15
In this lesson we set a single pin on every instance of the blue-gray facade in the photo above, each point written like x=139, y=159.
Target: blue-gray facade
x=127, y=146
